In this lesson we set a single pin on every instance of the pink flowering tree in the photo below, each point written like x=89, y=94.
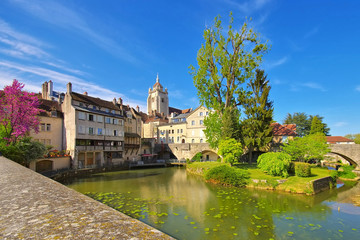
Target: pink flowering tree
x=18, y=112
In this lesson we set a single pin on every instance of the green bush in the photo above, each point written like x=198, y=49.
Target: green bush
x=275, y=163
x=347, y=172
x=334, y=175
x=302, y=169
x=227, y=175
x=197, y=157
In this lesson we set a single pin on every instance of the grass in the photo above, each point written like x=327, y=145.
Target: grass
x=292, y=184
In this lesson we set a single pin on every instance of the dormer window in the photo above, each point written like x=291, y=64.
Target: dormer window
x=81, y=104
x=113, y=111
x=94, y=107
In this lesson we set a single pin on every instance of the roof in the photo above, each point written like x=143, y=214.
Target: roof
x=174, y=110
x=284, y=130
x=48, y=106
x=335, y=139
x=93, y=101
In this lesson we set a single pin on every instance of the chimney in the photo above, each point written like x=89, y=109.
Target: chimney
x=50, y=88
x=120, y=101
x=44, y=90
x=137, y=108
x=69, y=88
x=85, y=93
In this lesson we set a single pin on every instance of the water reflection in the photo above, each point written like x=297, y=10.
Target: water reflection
x=186, y=207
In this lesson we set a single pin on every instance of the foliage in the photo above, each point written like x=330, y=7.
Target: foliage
x=256, y=128
x=225, y=63
x=347, y=172
x=334, y=175
x=197, y=157
x=316, y=126
x=199, y=168
x=303, y=123
x=23, y=151
x=307, y=148
x=230, y=150
x=228, y=175
x=275, y=163
x=18, y=112
x=355, y=137
x=302, y=169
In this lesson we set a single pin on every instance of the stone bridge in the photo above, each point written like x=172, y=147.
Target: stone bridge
x=350, y=152
x=188, y=150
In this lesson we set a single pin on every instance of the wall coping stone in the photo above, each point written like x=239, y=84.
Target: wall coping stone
x=35, y=207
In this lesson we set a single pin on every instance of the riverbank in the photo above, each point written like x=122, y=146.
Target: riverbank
x=319, y=180
x=36, y=207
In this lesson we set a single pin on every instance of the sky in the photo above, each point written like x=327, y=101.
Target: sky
x=116, y=48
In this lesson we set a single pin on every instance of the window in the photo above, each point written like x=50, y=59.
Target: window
x=207, y=113
x=201, y=140
x=81, y=129
x=81, y=104
x=108, y=132
x=100, y=119
x=82, y=115
x=42, y=127
x=48, y=127
x=284, y=139
x=94, y=107
x=100, y=132
x=178, y=139
x=115, y=133
x=121, y=122
x=106, y=110
x=91, y=131
x=201, y=122
x=178, y=130
x=54, y=113
x=181, y=131
x=115, y=121
x=192, y=140
x=193, y=122
x=200, y=114
x=91, y=117
x=113, y=111
x=162, y=99
x=173, y=131
x=172, y=139
x=107, y=120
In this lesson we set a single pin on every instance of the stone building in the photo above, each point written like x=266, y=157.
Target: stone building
x=94, y=130
x=158, y=100
x=132, y=133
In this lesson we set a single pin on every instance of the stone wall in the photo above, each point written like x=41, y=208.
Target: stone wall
x=35, y=207
x=322, y=184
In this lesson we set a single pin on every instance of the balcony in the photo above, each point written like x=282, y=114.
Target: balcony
x=128, y=145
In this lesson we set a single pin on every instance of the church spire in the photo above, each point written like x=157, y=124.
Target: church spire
x=157, y=77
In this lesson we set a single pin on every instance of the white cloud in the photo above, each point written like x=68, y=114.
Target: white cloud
x=64, y=17
x=249, y=6
x=314, y=86
x=340, y=124
x=25, y=74
x=273, y=64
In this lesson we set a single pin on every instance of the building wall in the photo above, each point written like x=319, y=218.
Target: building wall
x=195, y=125
x=57, y=163
x=172, y=133
x=50, y=132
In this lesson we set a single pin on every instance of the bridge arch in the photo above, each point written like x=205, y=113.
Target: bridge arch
x=352, y=162
x=208, y=155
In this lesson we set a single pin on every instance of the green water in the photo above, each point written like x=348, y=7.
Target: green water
x=185, y=207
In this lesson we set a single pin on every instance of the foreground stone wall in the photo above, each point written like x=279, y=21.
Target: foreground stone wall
x=35, y=207
x=322, y=184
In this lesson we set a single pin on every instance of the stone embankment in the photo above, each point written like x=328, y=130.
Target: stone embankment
x=35, y=207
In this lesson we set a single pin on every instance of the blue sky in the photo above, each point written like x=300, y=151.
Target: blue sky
x=116, y=48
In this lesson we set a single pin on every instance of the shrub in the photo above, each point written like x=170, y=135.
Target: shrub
x=197, y=157
x=334, y=175
x=302, y=169
x=347, y=172
x=227, y=175
x=275, y=163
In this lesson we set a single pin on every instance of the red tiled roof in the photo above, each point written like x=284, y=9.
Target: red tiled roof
x=174, y=110
x=335, y=139
x=186, y=110
x=284, y=130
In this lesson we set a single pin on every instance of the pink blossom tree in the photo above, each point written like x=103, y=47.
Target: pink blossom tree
x=18, y=112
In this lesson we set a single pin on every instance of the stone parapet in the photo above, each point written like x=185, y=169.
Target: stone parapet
x=35, y=207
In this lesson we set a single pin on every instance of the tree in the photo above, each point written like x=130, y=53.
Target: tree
x=306, y=148
x=303, y=123
x=225, y=63
x=18, y=112
x=316, y=126
x=197, y=157
x=256, y=128
x=23, y=151
x=230, y=150
x=275, y=163
x=355, y=137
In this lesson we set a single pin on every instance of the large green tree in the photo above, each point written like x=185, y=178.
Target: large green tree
x=230, y=150
x=355, y=137
x=306, y=148
x=256, y=127
x=303, y=123
x=226, y=60
x=316, y=126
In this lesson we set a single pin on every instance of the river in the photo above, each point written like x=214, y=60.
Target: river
x=185, y=207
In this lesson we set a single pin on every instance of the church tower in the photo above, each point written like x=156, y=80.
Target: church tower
x=158, y=99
